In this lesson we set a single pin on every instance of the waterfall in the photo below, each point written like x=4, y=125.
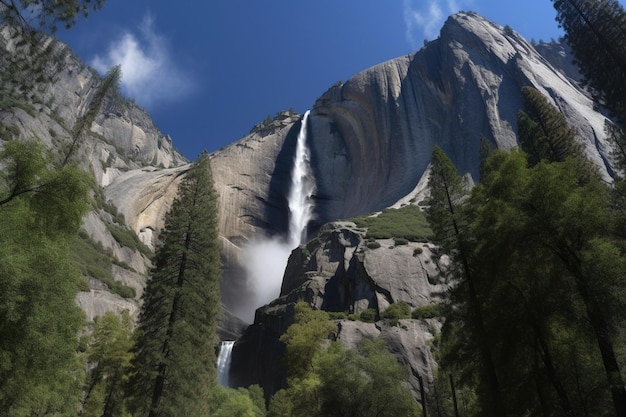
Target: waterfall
x=265, y=259
x=223, y=362
x=302, y=187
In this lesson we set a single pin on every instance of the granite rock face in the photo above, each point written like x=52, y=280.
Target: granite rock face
x=252, y=178
x=371, y=140
x=338, y=272
x=136, y=167
x=372, y=136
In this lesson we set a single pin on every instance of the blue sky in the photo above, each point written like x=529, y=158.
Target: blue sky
x=207, y=71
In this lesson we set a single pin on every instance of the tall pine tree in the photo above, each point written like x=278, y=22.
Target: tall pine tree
x=448, y=217
x=596, y=32
x=174, y=366
x=545, y=133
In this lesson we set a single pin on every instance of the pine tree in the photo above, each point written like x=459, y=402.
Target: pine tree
x=522, y=285
x=448, y=217
x=543, y=131
x=108, y=87
x=109, y=354
x=596, y=32
x=545, y=134
x=175, y=360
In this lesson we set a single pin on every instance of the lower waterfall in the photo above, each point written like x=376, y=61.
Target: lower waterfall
x=223, y=362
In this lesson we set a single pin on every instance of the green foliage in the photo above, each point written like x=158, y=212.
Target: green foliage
x=339, y=382
x=281, y=405
x=543, y=131
x=48, y=14
x=450, y=216
x=128, y=238
x=227, y=402
x=337, y=315
x=368, y=315
x=304, y=337
x=418, y=251
x=8, y=133
x=446, y=206
x=9, y=102
x=543, y=250
x=94, y=261
x=545, y=135
x=428, y=311
x=364, y=383
x=407, y=222
x=109, y=354
x=595, y=32
x=373, y=244
x=400, y=241
x=617, y=137
x=40, y=370
x=397, y=311
x=174, y=367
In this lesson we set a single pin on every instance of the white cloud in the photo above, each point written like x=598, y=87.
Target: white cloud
x=149, y=73
x=423, y=19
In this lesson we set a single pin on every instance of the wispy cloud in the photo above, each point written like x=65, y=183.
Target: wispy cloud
x=423, y=19
x=149, y=73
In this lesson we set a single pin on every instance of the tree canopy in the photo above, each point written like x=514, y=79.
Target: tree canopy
x=46, y=15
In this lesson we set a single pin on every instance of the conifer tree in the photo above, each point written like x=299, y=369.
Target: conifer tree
x=448, y=217
x=596, y=32
x=109, y=354
x=545, y=133
x=175, y=360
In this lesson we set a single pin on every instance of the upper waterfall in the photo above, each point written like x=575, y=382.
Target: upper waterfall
x=302, y=188
x=266, y=257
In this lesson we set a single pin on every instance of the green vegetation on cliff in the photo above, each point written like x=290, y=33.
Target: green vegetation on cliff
x=407, y=222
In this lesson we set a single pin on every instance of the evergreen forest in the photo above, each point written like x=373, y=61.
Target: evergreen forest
x=533, y=325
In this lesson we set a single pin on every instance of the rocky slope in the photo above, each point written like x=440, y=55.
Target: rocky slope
x=123, y=140
x=341, y=271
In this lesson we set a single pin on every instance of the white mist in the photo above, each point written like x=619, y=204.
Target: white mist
x=265, y=259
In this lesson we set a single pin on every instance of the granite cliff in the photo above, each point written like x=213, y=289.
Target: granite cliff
x=371, y=139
